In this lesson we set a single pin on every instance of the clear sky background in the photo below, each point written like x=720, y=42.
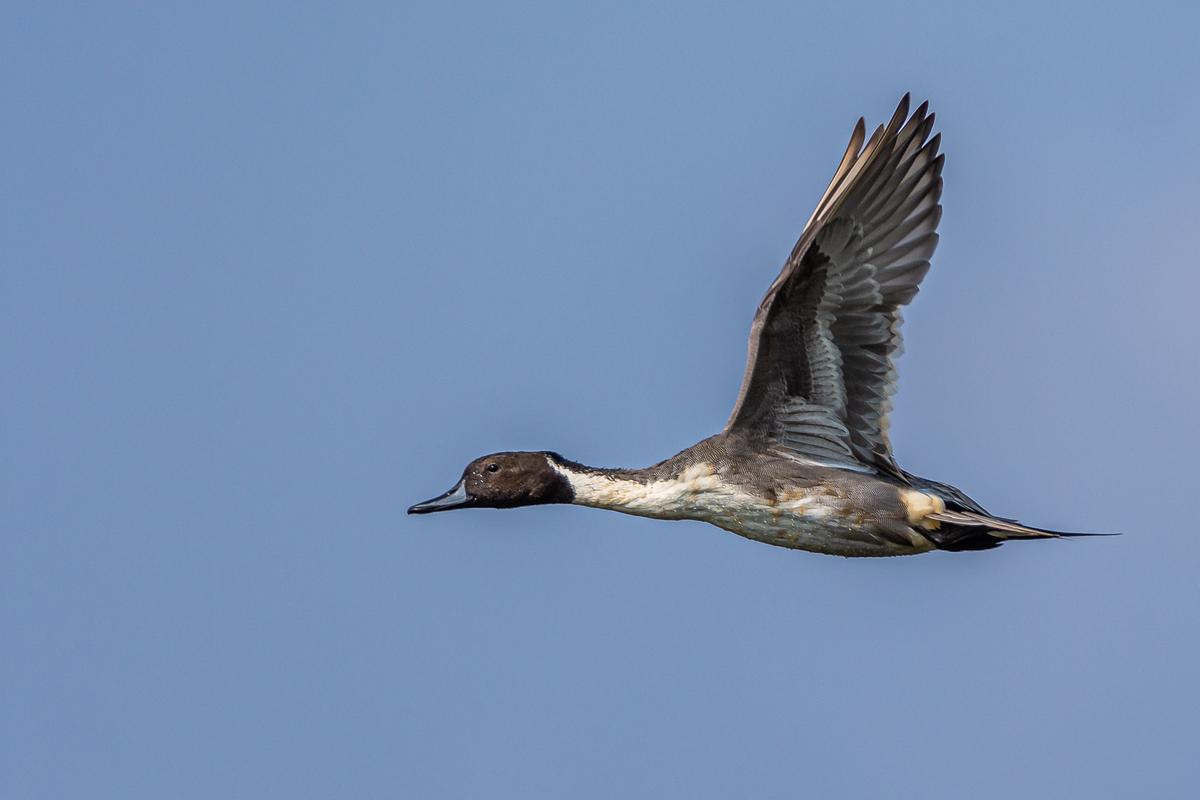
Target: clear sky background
x=273, y=272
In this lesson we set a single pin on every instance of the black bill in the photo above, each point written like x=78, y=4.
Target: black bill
x=455, y=498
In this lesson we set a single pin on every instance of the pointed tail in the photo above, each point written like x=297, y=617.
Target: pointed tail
x=966, y=530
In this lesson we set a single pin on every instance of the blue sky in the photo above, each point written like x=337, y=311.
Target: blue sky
x=275, y=271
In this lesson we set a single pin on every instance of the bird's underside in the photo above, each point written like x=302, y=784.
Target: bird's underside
x=770, y=496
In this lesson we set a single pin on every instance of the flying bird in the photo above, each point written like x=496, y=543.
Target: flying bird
x=804, y=460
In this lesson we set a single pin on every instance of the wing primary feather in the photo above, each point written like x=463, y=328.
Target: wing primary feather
x=820, y=370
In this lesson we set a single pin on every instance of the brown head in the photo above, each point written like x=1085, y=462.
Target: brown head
x=504, y=480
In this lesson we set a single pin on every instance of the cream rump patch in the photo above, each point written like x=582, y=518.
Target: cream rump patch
x=919, y=505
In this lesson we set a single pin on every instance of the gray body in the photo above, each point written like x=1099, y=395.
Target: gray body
x=767, y=496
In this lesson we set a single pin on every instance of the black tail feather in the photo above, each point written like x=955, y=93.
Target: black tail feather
x=967, y=530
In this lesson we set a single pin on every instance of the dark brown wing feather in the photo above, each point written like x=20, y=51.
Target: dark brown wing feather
x=820, y=372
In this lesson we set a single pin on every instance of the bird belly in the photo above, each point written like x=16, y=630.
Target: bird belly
x=821, y=519
x=816, y=522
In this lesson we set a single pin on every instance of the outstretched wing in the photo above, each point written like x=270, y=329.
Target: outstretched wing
x=820, y=372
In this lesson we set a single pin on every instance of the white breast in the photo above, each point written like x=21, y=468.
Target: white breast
x=680, y=497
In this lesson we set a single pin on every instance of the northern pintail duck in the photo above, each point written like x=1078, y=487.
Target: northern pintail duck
x=804, y=460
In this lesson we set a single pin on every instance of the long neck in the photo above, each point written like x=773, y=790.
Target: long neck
x=652, y=492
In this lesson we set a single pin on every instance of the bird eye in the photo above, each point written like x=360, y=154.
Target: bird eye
x=493, y=467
